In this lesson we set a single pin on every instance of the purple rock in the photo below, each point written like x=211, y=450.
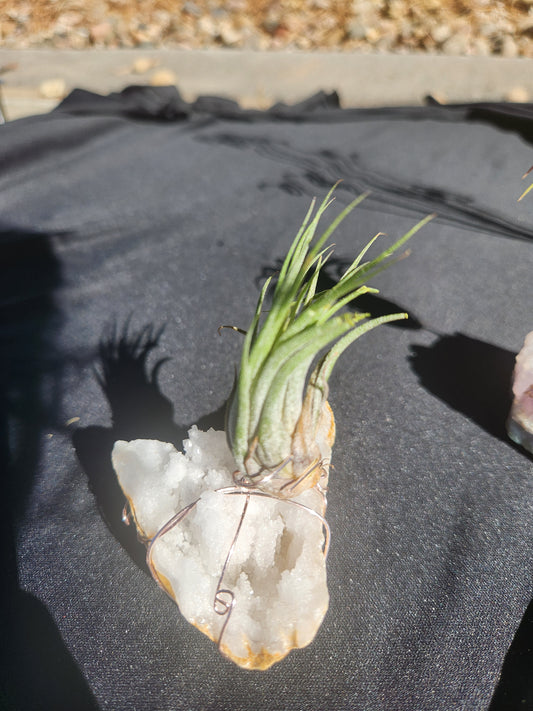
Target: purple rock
x=520, y=422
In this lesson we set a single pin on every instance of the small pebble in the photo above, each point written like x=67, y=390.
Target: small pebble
x=457, y=44
x=518, y=95
x=228, y=34
x=207, y=26
x=441, y=33
x=509, y=48
x=143, y=65
x=163, y=77
x=53, y=89
x=101, y=33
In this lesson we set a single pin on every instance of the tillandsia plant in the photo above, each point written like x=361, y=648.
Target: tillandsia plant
x=237, y=534
x=280, y=426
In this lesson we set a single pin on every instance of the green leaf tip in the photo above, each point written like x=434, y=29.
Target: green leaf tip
x=530, y=187
x=526, y=191
x=280, y=427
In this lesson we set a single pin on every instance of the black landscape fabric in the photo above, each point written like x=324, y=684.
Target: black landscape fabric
x=132, y=227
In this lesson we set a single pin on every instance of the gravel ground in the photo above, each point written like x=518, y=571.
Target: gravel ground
x=452, y=27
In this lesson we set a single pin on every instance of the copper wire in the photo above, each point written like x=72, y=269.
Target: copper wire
x=226, y=609
x=242, y=481
x=292, y=485
x=224, y=599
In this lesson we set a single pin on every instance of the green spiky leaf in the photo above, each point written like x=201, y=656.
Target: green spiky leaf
x=281, y=345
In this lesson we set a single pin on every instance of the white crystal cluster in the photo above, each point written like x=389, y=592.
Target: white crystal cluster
x=276, y=573
x=520, y=423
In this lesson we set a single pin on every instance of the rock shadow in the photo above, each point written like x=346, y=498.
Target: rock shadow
x=515, y=687
x=472, y=376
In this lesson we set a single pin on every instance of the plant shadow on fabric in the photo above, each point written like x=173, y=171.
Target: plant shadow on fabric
x=311, y=171
x=36, y=668
x=139, y=410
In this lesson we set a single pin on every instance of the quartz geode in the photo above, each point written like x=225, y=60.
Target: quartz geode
x=272, y=595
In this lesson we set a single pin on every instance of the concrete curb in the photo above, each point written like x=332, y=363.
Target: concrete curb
x=258, y=79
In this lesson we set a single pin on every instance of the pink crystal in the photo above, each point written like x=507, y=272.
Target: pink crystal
x=520, y=423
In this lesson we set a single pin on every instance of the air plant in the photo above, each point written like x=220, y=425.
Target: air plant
x=237, y=534
x=280, y=427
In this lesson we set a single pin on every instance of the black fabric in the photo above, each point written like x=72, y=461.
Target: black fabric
x=132, y=226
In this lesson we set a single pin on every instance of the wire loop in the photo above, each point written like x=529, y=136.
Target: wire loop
x=224, y=600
